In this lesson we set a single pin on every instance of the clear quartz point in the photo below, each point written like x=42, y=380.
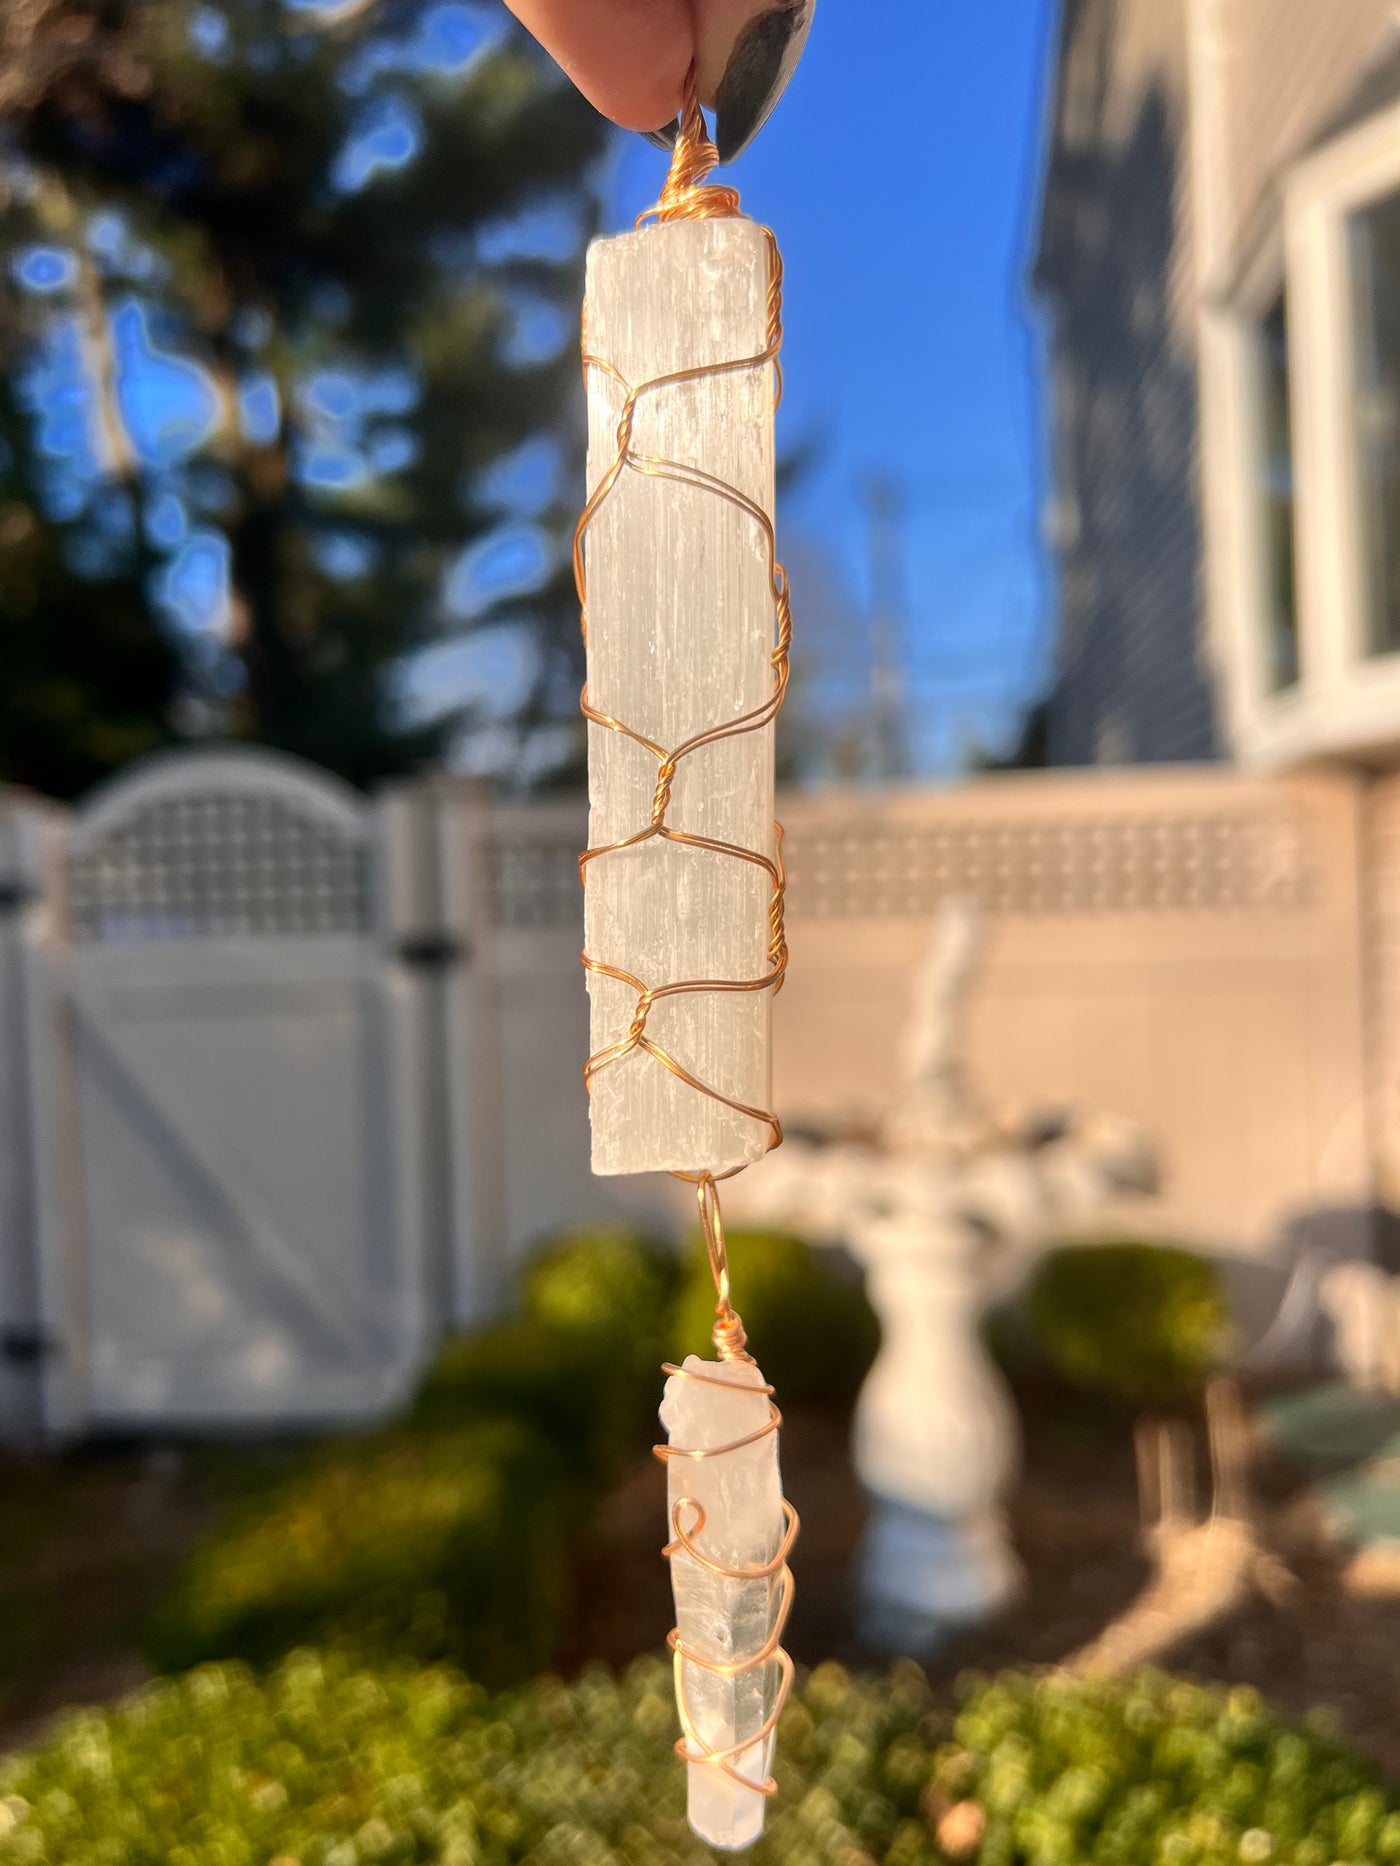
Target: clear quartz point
x=720, y=1617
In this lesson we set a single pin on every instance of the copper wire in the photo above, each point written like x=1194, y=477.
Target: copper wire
x=688, y=196
x=691, y=1744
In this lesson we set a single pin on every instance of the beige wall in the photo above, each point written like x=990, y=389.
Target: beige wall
x=1177, y=947
x=1180, y=946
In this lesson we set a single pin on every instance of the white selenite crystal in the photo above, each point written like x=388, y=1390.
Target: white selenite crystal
x=717, y=1617
x=680, y=636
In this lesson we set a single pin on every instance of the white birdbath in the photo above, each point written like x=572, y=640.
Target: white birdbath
x=935, y=1431
x=936, y=1443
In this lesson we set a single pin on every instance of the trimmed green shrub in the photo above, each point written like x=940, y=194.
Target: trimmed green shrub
x=561, y=1386
x=329, y=1766
x=443, y=1536
x=583, y=1362
x=446, y=1545
x=605, y=1285
x=811, y=1328
x=1152, y=1768
x=1144, y=1324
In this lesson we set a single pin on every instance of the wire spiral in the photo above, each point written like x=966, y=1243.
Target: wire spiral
x=691, y=1744
x=688, y=196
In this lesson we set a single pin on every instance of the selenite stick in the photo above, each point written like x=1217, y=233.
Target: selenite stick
x=680, y=618
x=720, y=1617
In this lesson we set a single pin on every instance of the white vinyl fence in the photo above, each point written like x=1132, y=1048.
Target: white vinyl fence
x=290, y=1081
x=213, y=1100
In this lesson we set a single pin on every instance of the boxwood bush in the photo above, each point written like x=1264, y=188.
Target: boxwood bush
x=581, y=1361
x=606, y=1286
x=448, y=1545
x=445, y=1535
x=809, y=1322
x=1143, y=1324
x=326, y=1765
x=1155, y=1769
x=561, y=1387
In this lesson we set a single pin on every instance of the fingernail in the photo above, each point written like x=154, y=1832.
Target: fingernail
x=757, y=74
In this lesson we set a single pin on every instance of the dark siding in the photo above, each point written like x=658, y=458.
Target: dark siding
x=1132, y=682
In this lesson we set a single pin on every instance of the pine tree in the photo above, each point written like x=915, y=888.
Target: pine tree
x=287, y=306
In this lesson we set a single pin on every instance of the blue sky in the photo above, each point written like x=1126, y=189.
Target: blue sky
x=899, y=173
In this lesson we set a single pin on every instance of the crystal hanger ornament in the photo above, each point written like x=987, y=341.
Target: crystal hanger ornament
x=687, y=625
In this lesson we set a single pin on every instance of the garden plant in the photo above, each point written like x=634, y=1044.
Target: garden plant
x=326, y=1764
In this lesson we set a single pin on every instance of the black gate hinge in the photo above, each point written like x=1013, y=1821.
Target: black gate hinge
x=15, y=896
x=28, y=1344
x=432, y=952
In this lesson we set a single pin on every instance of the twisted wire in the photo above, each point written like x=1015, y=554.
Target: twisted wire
x=688, y=196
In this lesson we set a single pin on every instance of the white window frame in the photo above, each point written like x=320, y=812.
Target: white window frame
x=1346, y=701
x=1233, y=439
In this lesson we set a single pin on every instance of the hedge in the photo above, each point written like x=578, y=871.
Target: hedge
x=1140, y=1323
x=445, y=1535
x=1154, y=1768
x=326, y=1765
x=562, y=1389
x=582, y=1361
x=448, y=1546
x=606, y=1287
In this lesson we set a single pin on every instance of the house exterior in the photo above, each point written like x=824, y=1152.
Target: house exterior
x=1219, y=256
x=1218, y=259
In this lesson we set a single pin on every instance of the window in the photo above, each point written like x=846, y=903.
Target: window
x=1373, y=241
x=1300, y=410
x=1274, y=500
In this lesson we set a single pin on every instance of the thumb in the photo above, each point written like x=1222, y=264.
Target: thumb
x=628, y=57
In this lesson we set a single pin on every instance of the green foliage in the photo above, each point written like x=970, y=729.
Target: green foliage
x=86, y=682
x=436, y=1546
x=606, y=1285
x=606, y=1293
x=1156, y=1769
x=1141, y=1323
x=582, y=1362
x=443, y=1536
x=813, y=1331
x=567, y=1392
x=306, y=278
x=332, y=1766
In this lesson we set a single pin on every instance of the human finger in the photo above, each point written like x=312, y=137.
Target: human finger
x=628, y=57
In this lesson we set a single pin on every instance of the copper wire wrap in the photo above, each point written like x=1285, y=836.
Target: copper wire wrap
x=691, y=1745
x=687, y=195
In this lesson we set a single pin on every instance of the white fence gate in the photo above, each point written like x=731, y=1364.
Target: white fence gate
x=288, y=1082
x=225, y=1108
